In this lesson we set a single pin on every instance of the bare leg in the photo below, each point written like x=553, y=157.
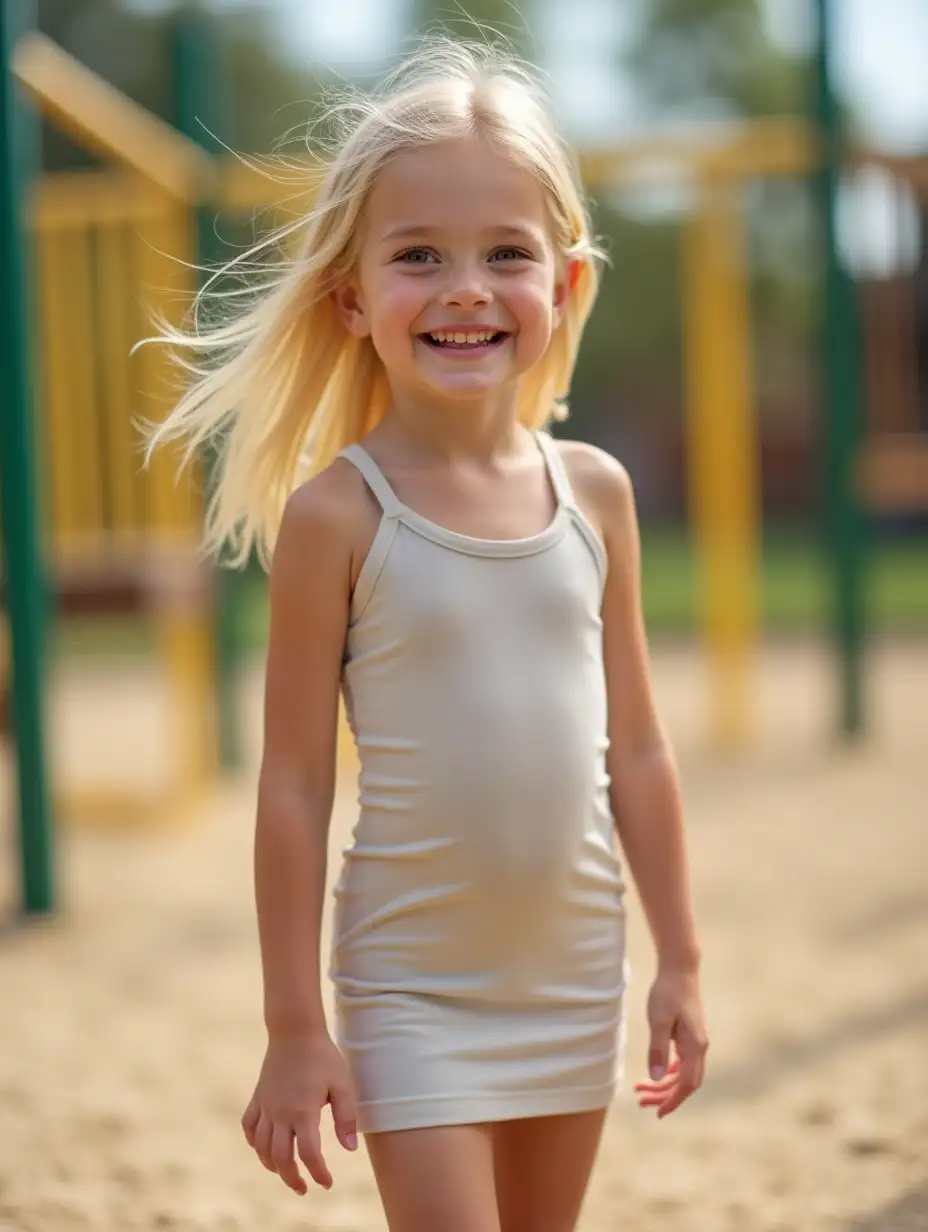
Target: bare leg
x=441, y=1178
x=543, y=1166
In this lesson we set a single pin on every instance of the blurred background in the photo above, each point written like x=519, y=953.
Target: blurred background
x=758, y=359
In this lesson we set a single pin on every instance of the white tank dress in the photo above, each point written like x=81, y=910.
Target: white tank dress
x=478, y=953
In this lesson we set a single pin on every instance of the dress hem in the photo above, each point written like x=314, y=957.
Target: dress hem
x=386, y=1116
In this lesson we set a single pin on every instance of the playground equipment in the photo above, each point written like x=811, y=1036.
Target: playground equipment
x=873, y=461
x=17, y=493
x=118, y=538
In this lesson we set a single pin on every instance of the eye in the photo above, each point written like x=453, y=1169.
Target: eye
x=415, y=256
x=510, y=254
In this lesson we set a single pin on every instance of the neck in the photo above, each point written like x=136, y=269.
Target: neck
x=456, y=429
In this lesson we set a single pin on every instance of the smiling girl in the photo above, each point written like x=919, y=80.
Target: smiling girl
x=470, y=587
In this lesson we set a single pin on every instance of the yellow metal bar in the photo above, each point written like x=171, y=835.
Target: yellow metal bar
x=102, y=119
x=183, y=627
x=723, y=455
x=74, y=501
x=164, y=292
x=58, y=428
x=76, y=291
x=113, y=282
x=81, y=198
x=763, y=149
x=180, y=278
x=185, y=639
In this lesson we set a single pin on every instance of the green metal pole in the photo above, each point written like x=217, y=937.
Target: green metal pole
x=24, y=581
x=200, y=110
x=843, y=403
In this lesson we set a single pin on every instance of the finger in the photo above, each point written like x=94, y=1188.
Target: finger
x=283, y=1160
x=664, y=1083
x=702, y=1047
x=659, y=1089
x=699, y=1072
x=691, y=1052
x=689, y=1072
x=344, y=1117
x=683, y=1089
x=673, y=1102
x=250, y=1121
x=659, y=1050
x=309, y=1149
x=262, y=1142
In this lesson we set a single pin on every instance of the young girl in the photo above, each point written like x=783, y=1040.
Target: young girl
x=470, y=586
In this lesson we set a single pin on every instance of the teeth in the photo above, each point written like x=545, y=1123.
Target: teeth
x=462, y=338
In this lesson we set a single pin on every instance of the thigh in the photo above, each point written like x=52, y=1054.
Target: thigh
x=436, y=1178
x=543, y=1167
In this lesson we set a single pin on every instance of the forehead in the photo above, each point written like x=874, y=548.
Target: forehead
x=455, y=185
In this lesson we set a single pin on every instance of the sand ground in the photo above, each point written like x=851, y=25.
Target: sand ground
x=130, y=1030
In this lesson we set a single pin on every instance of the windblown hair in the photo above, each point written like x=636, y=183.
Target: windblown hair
x=277, y=386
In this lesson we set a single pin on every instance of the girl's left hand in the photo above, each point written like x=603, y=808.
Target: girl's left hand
x=676, y=1057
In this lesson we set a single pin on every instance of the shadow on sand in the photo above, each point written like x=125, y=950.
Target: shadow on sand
x=906, y=1214
x=769, y=1066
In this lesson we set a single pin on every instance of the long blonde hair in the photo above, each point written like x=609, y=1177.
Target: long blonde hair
x=278, y=386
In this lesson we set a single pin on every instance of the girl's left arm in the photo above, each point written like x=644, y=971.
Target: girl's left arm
x=645, y=795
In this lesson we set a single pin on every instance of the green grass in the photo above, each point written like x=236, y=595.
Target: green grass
x=795, y=583
x=794, y=593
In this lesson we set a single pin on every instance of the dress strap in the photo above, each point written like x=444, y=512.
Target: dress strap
x=556, y=469
x=358, y=456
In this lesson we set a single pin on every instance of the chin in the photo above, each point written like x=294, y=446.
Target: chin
x=468, y=391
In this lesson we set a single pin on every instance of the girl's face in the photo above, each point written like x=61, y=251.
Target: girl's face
x=457, y=282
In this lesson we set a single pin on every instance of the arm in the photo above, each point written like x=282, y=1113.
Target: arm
x=309, y=597
x=645, y=793
x=645, y=789
x=309, y=585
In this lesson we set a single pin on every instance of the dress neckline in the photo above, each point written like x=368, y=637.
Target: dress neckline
x=395, y=509
x=475, y=546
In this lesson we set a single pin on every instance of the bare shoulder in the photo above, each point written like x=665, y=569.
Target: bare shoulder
x=601, y=483
x=324, y=521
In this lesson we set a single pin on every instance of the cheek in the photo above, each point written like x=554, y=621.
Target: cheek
x=398, y=303
x=532, y=303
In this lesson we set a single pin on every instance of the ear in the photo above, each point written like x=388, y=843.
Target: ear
x=349, y=305
x=565, y=287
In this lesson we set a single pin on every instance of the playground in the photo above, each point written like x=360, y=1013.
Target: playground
x=131, y=1026
x=790, y=669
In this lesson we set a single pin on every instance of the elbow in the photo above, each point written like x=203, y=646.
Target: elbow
x=650, y=747
x=287, y=795
x=641, y=777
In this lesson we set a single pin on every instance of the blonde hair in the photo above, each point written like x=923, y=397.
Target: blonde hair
x=280, y=387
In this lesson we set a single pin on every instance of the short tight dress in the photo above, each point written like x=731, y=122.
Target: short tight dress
x=478, y=953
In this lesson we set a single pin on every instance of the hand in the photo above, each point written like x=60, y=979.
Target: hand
x=300, y=1075
x=676, y=1057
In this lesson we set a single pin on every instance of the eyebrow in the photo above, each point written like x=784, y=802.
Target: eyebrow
x=415, y=229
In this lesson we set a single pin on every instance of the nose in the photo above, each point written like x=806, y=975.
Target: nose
x=466, y=289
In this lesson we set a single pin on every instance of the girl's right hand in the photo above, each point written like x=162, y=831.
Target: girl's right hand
x=300, y=1075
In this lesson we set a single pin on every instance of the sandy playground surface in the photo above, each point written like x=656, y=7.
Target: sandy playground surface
x=130, y=1030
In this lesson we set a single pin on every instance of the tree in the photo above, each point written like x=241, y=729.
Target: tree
x=474, y=19
x=709, y=59
x=712, y=56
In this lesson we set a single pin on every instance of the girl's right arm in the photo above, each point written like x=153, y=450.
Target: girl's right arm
x=310, y=584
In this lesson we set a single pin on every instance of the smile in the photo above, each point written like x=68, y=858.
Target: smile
x=464, y=340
